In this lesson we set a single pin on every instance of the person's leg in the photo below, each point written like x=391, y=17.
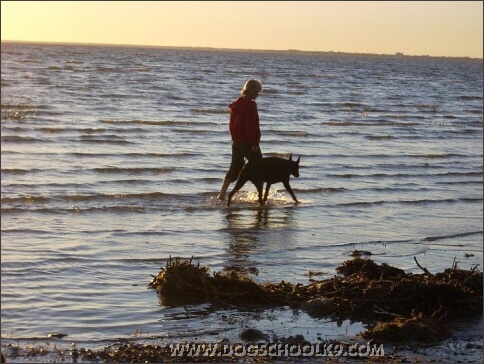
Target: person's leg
x=238, y=152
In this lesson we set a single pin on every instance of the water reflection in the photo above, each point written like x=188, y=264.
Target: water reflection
x=254, y=232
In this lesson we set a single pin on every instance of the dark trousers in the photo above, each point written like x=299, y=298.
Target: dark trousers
x=240, y=152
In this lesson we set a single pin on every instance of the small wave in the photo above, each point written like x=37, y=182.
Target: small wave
x=351, y=104
x=16, y=129
x=115, y=96
x=139, y=69
x=22, y=140
x=92, y=130
x=379, y=137
x=431, y=106
x=403, y=175
x=447, y=201
x=25, y=199
x=461, y=174
x=295, y=92
x=134, y=171
x=434, y=156
x=323, y=189
x=15, y=171
x=104, y=139
x=345, y=175
x=104, y=69
x=279, y=155
x=174, y=97
x=75, y=209
x=470, y=98
x=144, y=122
x=479, y=112
x=363, y=123
x=452, y=236
x=55, y=68
x=132, y=155
x=302, y=134
x=270, y=91
x=363, y=203
x=209, y=111
x=411, y=202
x=192, y=131
x=52, y=130
x=460, y=183
x=119, y=197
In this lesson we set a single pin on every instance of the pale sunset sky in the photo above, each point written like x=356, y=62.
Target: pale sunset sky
x=440, y=28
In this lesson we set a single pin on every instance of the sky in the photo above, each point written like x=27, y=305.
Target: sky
x=434, y=28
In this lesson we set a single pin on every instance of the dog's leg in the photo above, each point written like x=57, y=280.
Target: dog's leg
x=268, y=185
x=289, y=189
x=259, y=184
x=260, y=187
x=240, y=182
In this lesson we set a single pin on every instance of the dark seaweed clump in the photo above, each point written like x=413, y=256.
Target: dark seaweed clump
x=393, y=304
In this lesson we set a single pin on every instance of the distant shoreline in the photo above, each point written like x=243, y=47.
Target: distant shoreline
x=288, y=51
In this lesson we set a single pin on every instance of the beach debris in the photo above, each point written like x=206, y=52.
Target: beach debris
x=359, y=253
x=182, y=282
x=424, y=269
x=315, y=273
x=403, y=329
x=252, y=335
x=388, y=301
x=318, y=307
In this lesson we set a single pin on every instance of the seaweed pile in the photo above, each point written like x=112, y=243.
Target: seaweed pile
x=393, y=304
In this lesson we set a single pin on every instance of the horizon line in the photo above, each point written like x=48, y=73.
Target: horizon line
x=396, y=54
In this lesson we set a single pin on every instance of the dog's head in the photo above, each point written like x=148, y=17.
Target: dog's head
x=294, y=166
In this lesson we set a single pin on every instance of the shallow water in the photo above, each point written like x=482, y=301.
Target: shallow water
x=116, y=156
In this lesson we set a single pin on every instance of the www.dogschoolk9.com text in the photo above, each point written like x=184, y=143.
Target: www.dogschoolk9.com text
x=276, y=350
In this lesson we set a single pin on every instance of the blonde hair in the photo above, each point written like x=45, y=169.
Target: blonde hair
x=251, y=86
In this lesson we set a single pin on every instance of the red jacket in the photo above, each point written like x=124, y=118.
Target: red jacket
x=244, y=121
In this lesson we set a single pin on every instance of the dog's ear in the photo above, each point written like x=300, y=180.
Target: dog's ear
x=290, y=157
x=298, y=159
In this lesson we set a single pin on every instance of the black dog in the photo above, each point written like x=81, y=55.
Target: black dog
x=271, y=170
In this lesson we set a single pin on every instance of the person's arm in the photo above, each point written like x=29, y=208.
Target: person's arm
x=252, y=127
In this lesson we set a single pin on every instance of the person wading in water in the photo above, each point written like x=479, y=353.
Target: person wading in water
x=244, y=131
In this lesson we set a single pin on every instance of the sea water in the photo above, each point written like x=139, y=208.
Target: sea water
x=112, y=158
